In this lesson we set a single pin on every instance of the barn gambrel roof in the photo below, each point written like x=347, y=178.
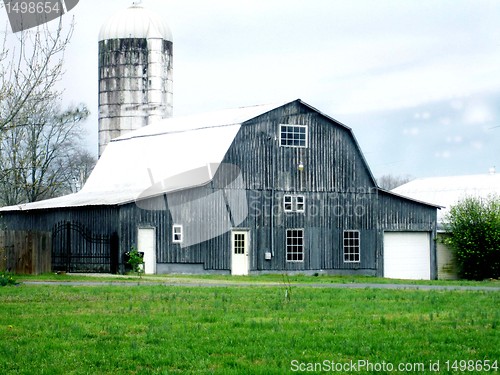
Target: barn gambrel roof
x=134, y=162
x=149, y=161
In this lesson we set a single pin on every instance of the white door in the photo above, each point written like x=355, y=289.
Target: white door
x=407, y=255
x=239, y=253
x=147, y=245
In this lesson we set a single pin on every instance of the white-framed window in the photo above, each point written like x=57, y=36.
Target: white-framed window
x=351, y=246
x=177, y=233
x=294, y=203
x=295, y=245
x=293, y=135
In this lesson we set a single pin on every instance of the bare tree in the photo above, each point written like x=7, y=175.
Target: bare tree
x=389, y=182
x=31, y=62
x=39, y=151
x=77, y=170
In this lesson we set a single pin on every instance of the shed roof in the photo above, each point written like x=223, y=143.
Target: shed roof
x=447, y=191
x=134, y=162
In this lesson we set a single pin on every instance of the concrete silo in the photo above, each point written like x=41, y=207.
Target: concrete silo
x=135, y=72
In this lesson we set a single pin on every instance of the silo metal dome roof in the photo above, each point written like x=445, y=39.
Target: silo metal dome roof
x=135, y=22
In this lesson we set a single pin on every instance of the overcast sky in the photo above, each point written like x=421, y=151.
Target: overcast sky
x=417, y=81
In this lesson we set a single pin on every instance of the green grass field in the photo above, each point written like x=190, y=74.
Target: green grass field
x=134, y=329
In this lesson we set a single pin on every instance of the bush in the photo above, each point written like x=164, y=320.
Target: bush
x=7, y=279
x=136, y=260
x=474, y=227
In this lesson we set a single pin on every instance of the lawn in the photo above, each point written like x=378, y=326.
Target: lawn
x=135, y=329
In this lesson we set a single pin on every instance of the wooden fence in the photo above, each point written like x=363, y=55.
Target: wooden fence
x=25, y=252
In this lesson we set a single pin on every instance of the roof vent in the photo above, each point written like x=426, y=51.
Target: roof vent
x=492, y=170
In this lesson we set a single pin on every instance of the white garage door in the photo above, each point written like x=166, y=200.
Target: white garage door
x=407, y=255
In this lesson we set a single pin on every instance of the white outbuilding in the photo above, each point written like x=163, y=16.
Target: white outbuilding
x=445, y=192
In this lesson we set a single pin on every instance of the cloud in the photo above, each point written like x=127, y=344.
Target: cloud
x=446, y=120
x=422, y=115
x=454, y=139
x=443, y=154
x=414, y=131
x=477, y=145
x=477, y=113
x=434, y=80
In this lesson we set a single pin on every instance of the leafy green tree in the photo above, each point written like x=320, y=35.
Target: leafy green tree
x=474, y=227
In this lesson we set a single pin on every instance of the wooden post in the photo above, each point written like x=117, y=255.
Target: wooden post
x=114, y=245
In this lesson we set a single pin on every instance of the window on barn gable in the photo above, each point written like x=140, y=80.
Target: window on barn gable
x=293, y=135
x=351, y=246
x=294, y=203
x=177, y=233
x=295, y=245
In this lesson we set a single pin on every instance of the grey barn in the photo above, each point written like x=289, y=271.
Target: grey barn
x=269, y=188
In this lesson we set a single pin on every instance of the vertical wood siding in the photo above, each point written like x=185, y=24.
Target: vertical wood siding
x=400, y=214
x=25, y=252
x=98, y=220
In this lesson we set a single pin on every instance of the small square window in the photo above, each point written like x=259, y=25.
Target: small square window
x=294, y=203
x=177, y=233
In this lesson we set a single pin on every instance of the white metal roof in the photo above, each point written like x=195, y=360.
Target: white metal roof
x=189, y=146
x=135, y=22
x=447, y=191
